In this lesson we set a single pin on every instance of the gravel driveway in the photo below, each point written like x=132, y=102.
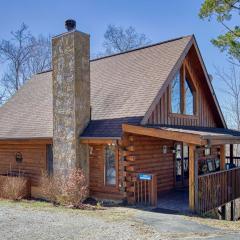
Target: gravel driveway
x=27, y=221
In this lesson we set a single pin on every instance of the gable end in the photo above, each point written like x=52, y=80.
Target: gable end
x=208, y=112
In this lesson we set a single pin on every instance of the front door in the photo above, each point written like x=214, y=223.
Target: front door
x=181, y=165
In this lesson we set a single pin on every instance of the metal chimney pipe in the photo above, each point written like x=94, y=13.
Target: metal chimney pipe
x=70, y=24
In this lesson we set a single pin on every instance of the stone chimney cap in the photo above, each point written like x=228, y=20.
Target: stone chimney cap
x=70, y=24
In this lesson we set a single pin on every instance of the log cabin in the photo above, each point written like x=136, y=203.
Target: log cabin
x=141, y=124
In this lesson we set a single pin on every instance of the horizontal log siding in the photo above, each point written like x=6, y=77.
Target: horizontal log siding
x=34, y=160
x=97, y=185
x=145, y=155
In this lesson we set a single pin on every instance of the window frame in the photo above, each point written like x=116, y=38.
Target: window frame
x=106, y=184
x=184, y=76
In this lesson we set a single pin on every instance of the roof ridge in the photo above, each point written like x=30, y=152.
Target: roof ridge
x=143, y=47
x=45, y=71
x=131, y=50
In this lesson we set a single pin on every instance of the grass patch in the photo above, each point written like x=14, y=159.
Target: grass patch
x=215, y=223
x=106, y=213
x=26, y=203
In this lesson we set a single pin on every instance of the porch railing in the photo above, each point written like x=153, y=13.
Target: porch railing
x=145, y=189
x=217, y=189
x=236, y=160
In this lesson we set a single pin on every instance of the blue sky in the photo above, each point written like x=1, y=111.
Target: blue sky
x=158, y=19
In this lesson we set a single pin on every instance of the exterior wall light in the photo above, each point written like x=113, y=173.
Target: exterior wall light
x=19, y=157
x=164, y=149
x=173, y=150
x=90, y=150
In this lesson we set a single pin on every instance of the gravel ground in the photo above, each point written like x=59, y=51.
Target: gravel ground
x=30, y=221
x=21, y=222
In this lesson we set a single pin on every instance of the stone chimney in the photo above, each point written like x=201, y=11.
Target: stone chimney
x=71, y=98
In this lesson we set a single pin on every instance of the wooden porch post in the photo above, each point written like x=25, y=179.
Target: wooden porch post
x=232, y=202
x=222, y=167
x=231, y=153
x=222, y=157
x=193, y=177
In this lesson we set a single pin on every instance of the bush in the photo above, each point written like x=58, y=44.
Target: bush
x=75, y=188
x=70, y=189
x=50, y=187
x=14, y=188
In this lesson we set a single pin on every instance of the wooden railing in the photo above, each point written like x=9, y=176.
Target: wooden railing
x=235, y=160
x=145, y=189
x=217, y=189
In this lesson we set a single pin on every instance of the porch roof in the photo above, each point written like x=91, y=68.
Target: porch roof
x=191, y=135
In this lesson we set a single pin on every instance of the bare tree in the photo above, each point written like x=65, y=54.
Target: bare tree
x=118, y=39
x=41, y=55
x=23, y=55
x=231, y=87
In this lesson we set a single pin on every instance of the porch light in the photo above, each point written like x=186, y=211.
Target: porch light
x=90, y=150
x=164, y=149
x=207, y=150
x=173, y=149
x=218, y=151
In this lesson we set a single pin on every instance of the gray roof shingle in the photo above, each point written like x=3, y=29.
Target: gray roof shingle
x=28, y=114
x=122, y=86
x=108, y=128
x=125, y=85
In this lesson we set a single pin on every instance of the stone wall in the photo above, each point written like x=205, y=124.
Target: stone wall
x=71, y=100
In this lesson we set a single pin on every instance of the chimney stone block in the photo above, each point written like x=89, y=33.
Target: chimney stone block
x=71, y=100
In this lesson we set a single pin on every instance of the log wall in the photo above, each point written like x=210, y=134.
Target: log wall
x=32, y=165
x=97, y=185
x=145, y=155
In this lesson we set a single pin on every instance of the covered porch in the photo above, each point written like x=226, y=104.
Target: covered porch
x=212, y=175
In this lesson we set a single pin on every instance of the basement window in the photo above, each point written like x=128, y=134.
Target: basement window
x=110, y=164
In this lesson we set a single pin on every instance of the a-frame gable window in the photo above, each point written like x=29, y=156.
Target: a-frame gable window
x=189, y=96
x=175, y=94
x=183, y=94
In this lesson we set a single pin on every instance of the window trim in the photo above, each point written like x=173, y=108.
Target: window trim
x=116, y=167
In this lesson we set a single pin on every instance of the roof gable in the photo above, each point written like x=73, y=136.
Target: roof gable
x=191, y=45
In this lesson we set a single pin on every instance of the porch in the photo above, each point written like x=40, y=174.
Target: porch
x=212, y=178
x=176, y=200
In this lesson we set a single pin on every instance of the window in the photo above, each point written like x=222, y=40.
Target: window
x=189, y=98
x=49, y=159
x=182, y=94
x=175, y=94
x=110, y=165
